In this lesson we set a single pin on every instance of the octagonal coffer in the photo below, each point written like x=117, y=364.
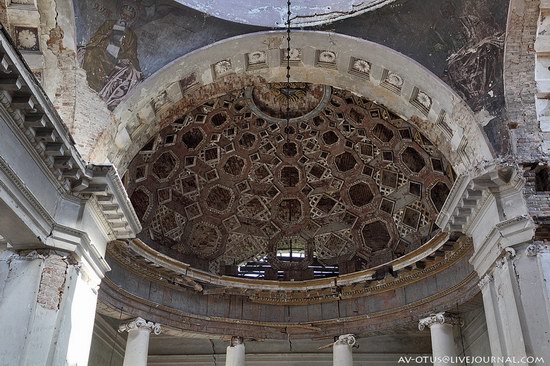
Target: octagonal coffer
x=360, y=194
x=247, y=140
x=376, y=235
x=438, y=195
x=413, y=159
x=290, y=210
x=345, y=161
x=330, y=138
x=382, y=132
x=234, y=165
x=140, y=199
x=219, y=198
x=290, y=176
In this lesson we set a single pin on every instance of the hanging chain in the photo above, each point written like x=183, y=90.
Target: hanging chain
x=288, y=112
x=288, y=74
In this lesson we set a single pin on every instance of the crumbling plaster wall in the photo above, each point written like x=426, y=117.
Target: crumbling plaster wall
x=56, y=66
x=64, y=81
x=273, y=13
x=531, y=145
x=519, y=79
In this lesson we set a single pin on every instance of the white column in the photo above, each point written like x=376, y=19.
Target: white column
x=341, y=350
x=443, y=342
x=235, y=355
x=47, y=308
x=137, y=344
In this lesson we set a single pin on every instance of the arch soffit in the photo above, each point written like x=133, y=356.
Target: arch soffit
x=371, y=70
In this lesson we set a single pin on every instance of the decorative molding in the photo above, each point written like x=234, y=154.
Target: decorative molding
x=144, y=261
x=440, y=318
x=23, y=189
x=357, y=66
x=28, y=115
x=235, y=341
x=113, y=297
x=534, y=250
x=138, y=324
x=517, y=230
x=422, y=101
x=487, y=279
x=360, y=67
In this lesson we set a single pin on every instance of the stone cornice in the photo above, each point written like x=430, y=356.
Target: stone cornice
x=505, y=234
x=26, y=198
x=139, y=324
x=273, y=292
x=54, y=235
x=439, y=318
x=469, y=196
x=35, y=122
x=37, y=118
x=112, y=297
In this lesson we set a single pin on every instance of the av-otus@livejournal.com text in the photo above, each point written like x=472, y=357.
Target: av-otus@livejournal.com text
x=469, y=360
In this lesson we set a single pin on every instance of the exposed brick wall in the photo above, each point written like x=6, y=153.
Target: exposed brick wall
x=538, y=201
x=91, y=119
x=84, y=113
x=520, y=90
x=519, y=78
x=3, y=15
x=52, y=282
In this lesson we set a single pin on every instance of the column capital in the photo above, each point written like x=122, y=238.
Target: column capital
x=536, y=248
x=485, y=281
x=235, y=341
x=439, y=318
x=140, y=323
x=346, y=339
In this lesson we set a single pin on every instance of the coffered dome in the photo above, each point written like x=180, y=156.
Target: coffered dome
x=230, y=188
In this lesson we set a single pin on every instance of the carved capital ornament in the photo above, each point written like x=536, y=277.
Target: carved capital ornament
x=346, y=339
x=439, y=318
x=485, y=281
x=534, y=249
x=140, y=323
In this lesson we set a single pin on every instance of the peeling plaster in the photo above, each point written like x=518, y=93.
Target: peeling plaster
x=305, y=13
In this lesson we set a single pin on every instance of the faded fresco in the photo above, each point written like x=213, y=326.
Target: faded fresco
x=123, y=42
x=462, y=41
x=110, y=56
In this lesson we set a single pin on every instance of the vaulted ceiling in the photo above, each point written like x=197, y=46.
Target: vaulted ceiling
x=345, y=182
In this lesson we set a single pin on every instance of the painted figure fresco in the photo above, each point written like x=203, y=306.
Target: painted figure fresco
x=110, y=57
